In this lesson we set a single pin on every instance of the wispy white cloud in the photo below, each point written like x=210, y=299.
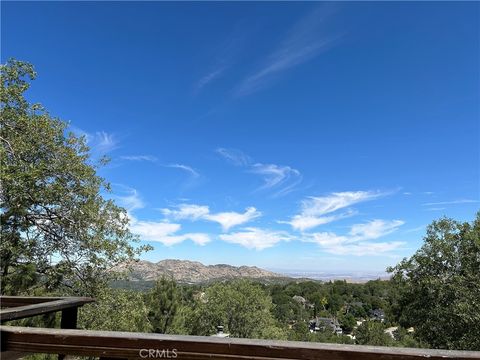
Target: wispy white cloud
x=305, y=41
x=452, y=202
x=314, y=209
x=362, y=249
x=186, y=168
x=255, y=238
x=374, y=229
x=197, y=238
x=435, y=209
x=234, y=156
x=359, y=239
x=162, y=231
x=208, y=78
x=317, y=206
x=100, y=142
x=230, y=219
x=277, y=175
x=154, y=230
x=104, y=142
x=227, y=220
x=282, y=178
x=139, y=158
x=187, y=211
x=165, y=233
x=127, y=197
x=304, y=222
x=418, y=228
x=224, y=56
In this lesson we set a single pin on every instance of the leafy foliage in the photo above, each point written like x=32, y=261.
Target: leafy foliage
x=439, y=286
x=372, y=333
x=57, y=230
x=348, y=322
x=242, y=307
x=116, y=310
x=163, y=303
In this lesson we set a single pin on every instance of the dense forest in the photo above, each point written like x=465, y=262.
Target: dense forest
x=60, y=236
x=336, y=311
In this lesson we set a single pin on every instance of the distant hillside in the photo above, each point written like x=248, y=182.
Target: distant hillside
x=193, y=272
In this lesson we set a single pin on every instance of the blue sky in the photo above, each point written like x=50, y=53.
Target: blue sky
x=301, y=136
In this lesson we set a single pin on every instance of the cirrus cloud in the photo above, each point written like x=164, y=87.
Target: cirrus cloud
x=359, y=240
x=187, y=211
x=165, y=233
x=314, y=209
x=227, y=219
x=185, y=168
x=281, y=179
x=255, y=238
x=305, y=40
x=139, y=158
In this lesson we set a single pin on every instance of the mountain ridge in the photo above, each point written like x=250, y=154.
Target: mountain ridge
x=188, y=271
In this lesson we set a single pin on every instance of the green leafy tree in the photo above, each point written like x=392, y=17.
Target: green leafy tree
x=57, y=230
x=372, y=333
x=163, y=302
x=181, y=323
x=347, y=322
x=358, y=312
x=287, y=310
x=439, y=286
x=323, y=302
x=406, y=339
x=242, y=307
x=115, y=310
x=299, y=332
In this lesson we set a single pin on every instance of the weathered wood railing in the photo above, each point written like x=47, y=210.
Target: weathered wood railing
x=128, y=345
x=21, y=307
x=111, y=344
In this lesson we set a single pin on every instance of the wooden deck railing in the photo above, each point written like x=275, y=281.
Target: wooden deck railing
x=129, y=345
x=20, y=307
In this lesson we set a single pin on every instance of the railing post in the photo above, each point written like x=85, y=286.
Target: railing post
x=69, y=318
x=68, y=321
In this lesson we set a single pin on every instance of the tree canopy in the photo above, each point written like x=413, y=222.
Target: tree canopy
x=439, y=286
x=117, y=310
x=163, y=303
x=58, y=232
x=372, y=333
x=242, y=307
